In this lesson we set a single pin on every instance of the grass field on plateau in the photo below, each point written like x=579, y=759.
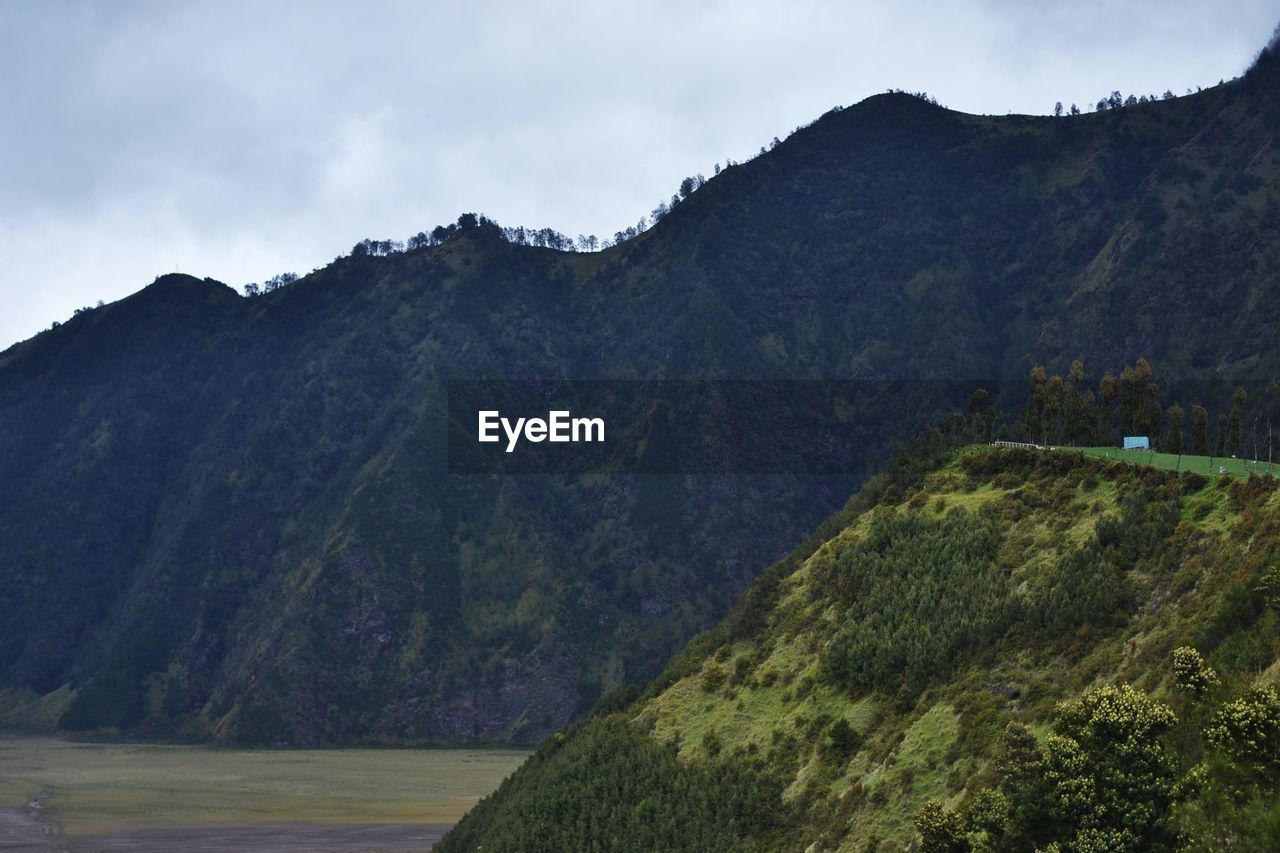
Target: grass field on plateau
x=1206, y=465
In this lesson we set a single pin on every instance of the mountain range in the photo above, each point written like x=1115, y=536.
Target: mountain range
x=232, y=518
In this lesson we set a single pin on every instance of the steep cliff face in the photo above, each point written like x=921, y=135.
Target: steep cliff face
x=234, y=517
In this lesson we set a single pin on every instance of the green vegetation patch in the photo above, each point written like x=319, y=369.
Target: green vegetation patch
x=918, y=594
x=1015, y=581
x=613, y=788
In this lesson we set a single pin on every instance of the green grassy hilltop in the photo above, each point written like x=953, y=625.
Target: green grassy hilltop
x=914, y=668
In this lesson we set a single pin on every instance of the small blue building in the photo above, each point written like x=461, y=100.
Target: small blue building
x=1136, y=442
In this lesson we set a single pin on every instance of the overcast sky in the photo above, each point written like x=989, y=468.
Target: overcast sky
x=239, y=140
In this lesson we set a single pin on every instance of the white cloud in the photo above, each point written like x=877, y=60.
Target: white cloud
x=241, y=139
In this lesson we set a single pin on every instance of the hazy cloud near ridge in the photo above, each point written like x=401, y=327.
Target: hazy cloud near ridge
x=237, y=140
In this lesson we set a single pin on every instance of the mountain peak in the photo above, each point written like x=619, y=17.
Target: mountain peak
x=178, y=282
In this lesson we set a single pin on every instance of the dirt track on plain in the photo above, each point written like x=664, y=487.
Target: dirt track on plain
x=20, y=831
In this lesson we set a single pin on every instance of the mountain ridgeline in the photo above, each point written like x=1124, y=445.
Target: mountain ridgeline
x=233, y=519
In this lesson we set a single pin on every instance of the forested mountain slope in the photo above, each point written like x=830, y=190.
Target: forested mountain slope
x=232, y=518
x=987, y=649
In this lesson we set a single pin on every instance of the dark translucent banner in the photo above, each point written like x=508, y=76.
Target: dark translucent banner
x=686, y=426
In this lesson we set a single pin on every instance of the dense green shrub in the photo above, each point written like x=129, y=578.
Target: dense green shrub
x=1103, y=781
x=919, y=593
x=1247, y=731
x=1190, y=672
x=609, y=787
x=1092, y=585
